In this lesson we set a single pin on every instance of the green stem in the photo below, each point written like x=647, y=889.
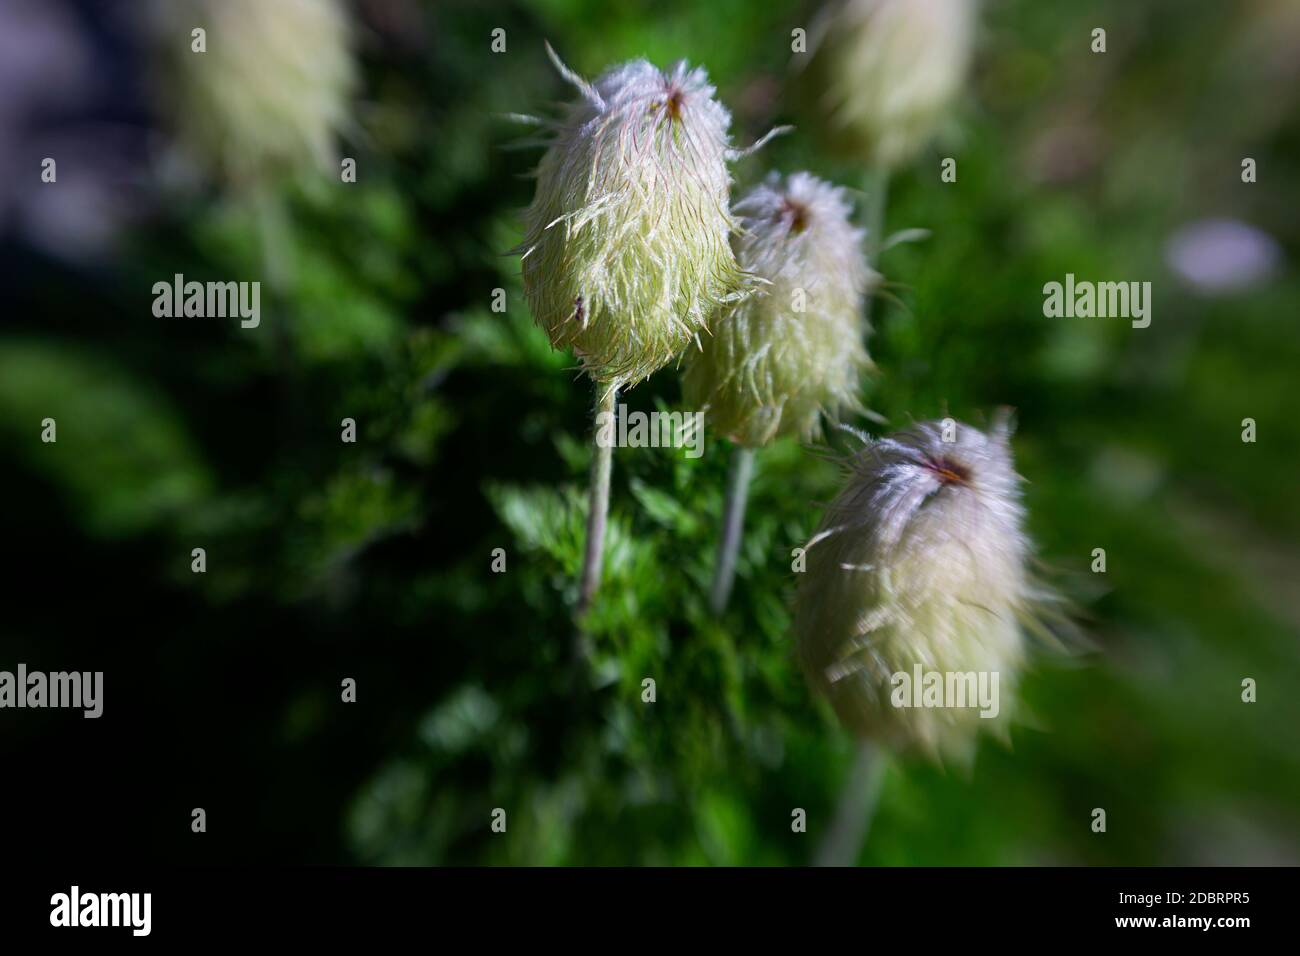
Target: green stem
x=602, y=461
x=277, y=246
x=275, y=239
x=875, y=183
x=733, y=524
x=843, y=843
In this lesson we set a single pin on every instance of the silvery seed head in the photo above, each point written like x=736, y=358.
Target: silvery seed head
x=272, y=90
x=886, y=72
x=777, y=362
x=921, y=560
x=627, y=249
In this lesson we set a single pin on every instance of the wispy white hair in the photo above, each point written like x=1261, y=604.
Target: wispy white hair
x=779, y=361
x=627, y=249
x=921, y=559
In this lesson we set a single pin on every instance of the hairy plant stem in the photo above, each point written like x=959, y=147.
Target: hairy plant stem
x=733, y=525
x=602, y=460
x=843, y=842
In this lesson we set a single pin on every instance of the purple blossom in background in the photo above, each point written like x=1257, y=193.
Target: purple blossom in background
x=59, y=98
x=1217, y=256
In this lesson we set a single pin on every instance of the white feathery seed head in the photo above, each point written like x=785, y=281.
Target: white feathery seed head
x=888, y=71
x=919, y=562
x=627, y=249
x=272, y=90
x=777, y=362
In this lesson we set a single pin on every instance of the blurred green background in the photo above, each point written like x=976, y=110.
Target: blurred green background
x=372, y=560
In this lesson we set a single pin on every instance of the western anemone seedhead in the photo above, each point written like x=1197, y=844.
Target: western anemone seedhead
x=776, y=362
x=919, y=563
x=887, y=71
x=627, y=249
x=272, y=90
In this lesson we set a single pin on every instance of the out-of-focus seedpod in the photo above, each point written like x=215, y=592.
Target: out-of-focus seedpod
x=776, y=363
x=628, y=251
x=270, y=90
x=909, y=613
x=884, y=73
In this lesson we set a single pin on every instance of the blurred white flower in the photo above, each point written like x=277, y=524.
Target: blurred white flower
x=272, y=91
x=888, y=71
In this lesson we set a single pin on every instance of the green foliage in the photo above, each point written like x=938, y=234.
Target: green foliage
x=710, y=772
x=124, y=463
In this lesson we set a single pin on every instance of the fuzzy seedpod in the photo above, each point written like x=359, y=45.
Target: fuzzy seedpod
x=627, y=249
x=909, y=614
x=885, y=73
x=270, y=91
x=776, y=363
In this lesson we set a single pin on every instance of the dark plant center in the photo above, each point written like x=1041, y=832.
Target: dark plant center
x=947, y=470
x=676, y=99
x=796, y=213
